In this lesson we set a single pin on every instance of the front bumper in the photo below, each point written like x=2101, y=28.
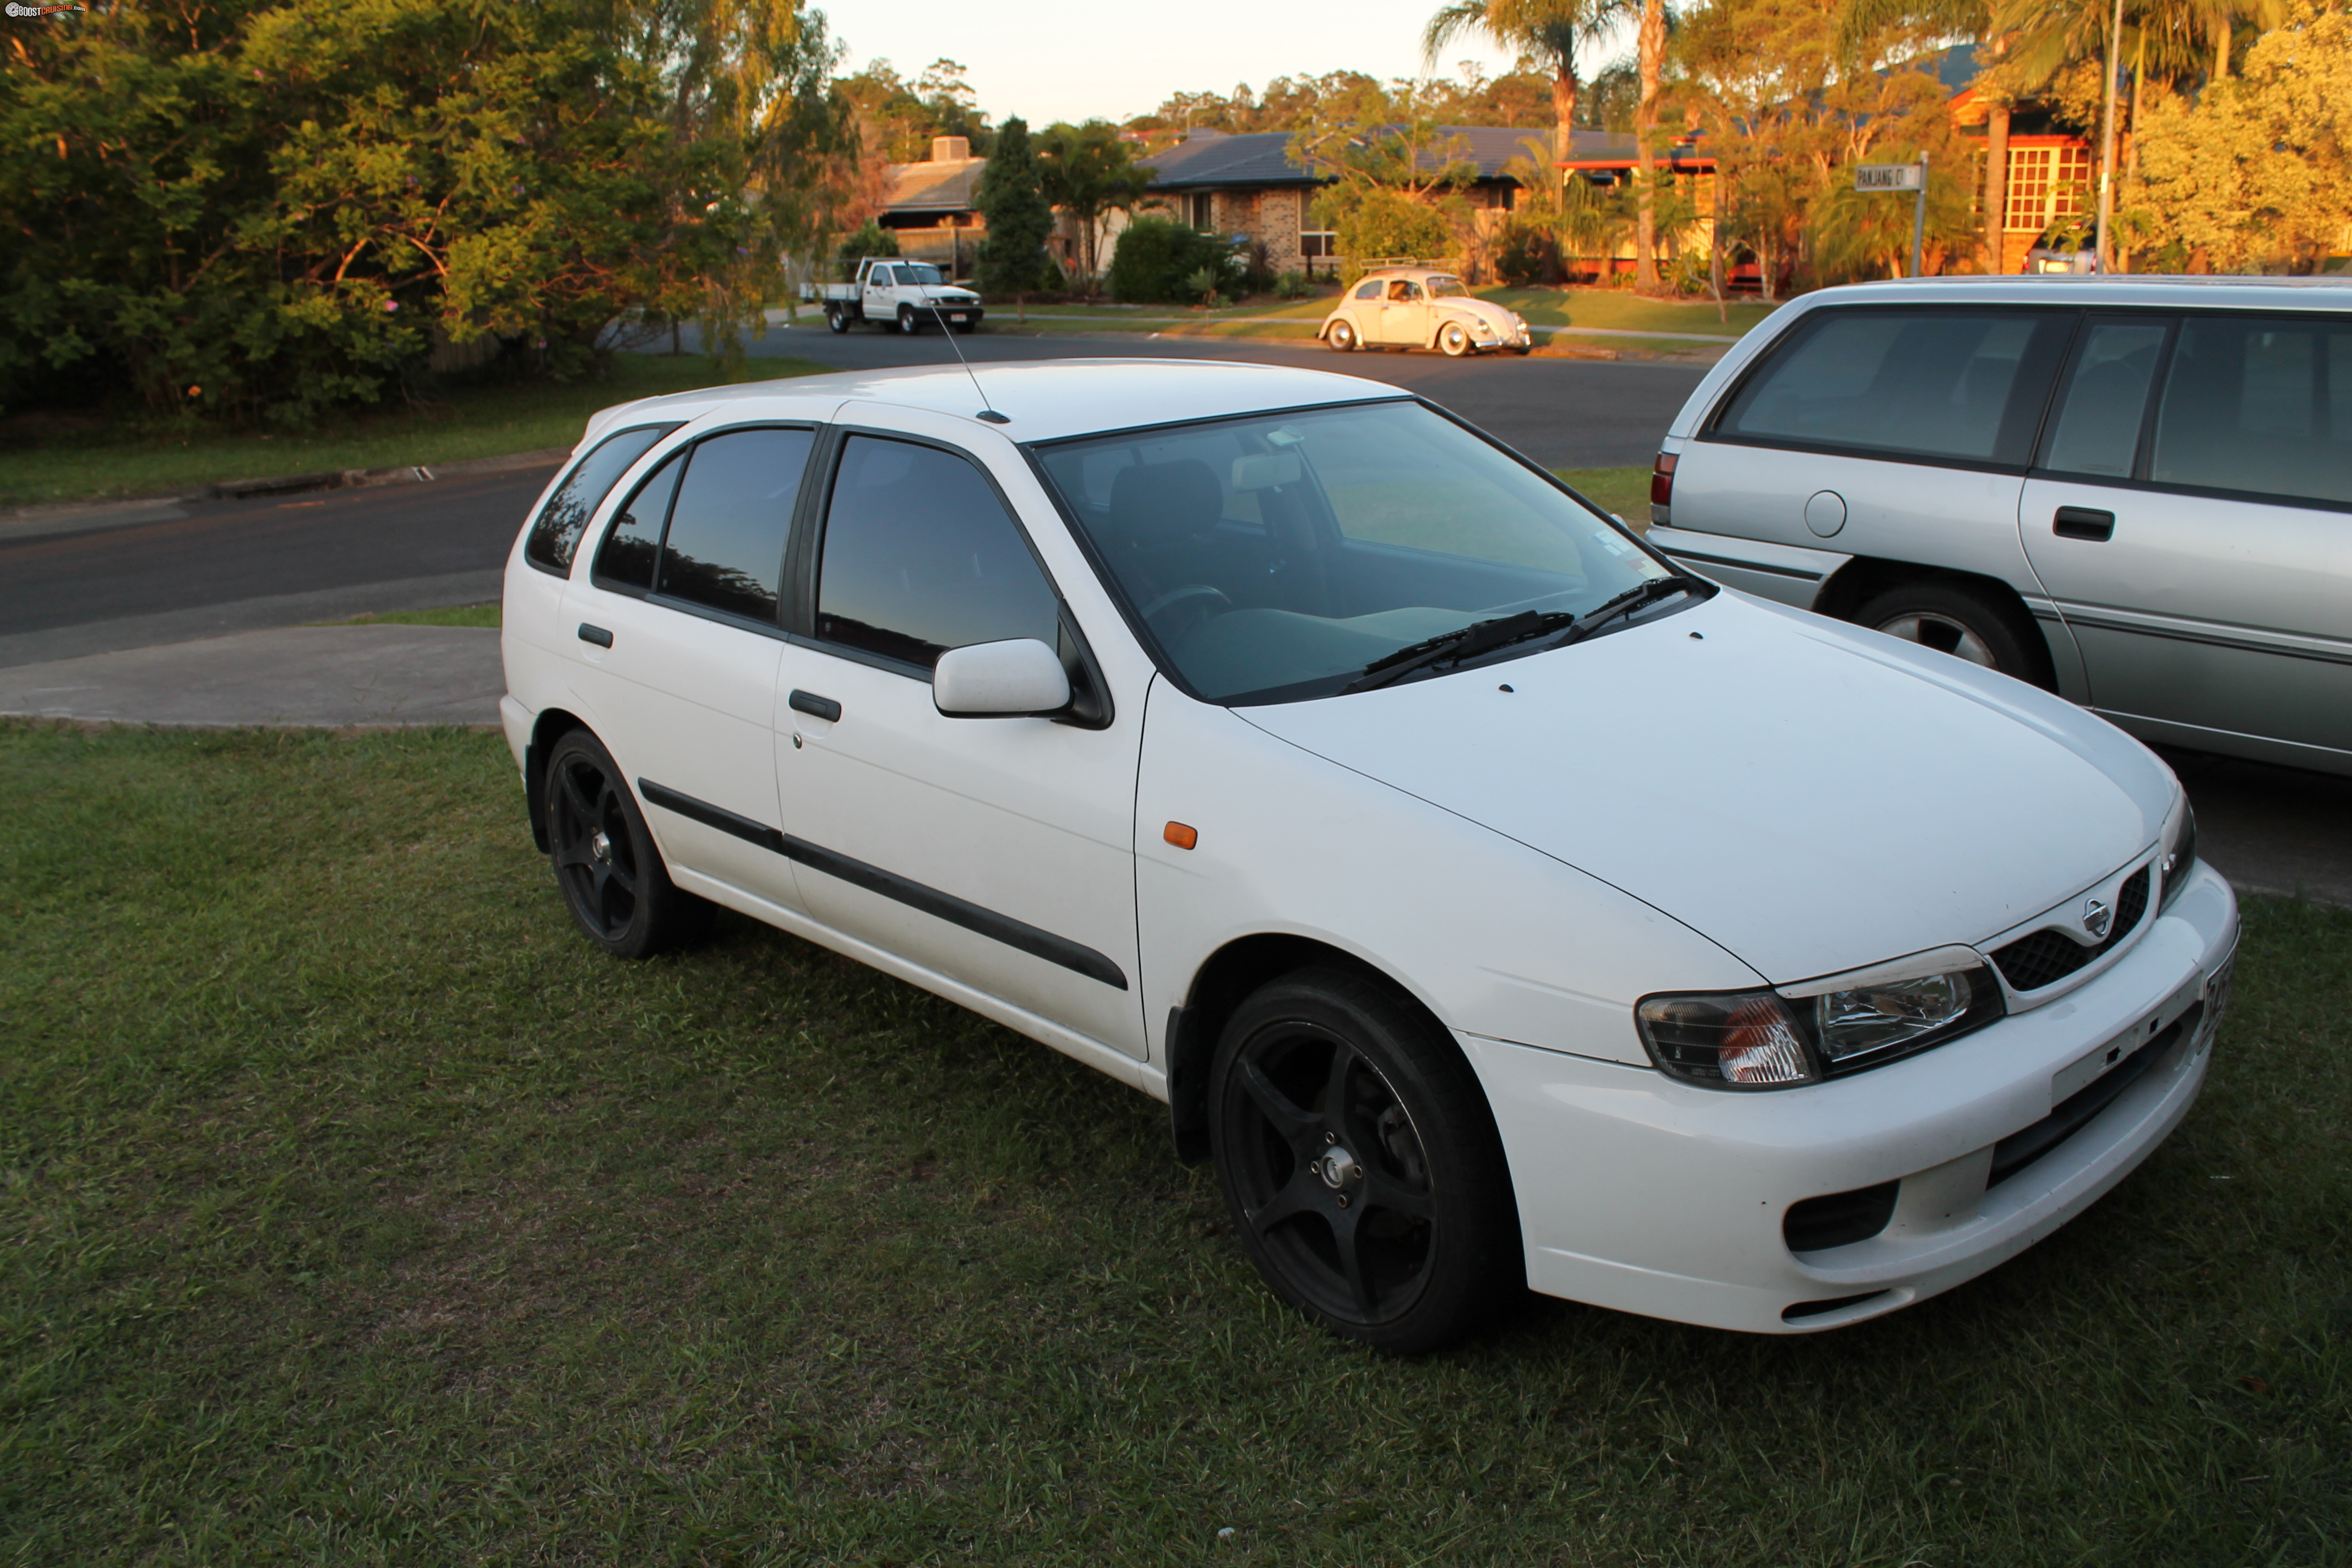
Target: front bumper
x=1661, y=1198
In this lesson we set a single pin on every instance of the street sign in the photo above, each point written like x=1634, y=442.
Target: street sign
x=1889, y=177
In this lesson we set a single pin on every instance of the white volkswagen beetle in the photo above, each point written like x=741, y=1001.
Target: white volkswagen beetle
x=1419, y=307
x=1491, y=901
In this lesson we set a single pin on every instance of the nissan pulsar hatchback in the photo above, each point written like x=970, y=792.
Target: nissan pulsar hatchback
x=1491, y=901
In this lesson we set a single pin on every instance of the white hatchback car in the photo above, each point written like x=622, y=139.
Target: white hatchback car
x=1490, y=899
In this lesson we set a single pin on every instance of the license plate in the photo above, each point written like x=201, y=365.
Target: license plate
x=956, y=316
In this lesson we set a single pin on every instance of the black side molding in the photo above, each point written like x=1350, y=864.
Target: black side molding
x=596, y=635
x=1057, y=950
x=815, y=707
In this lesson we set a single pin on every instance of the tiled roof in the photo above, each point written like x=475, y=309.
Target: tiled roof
x=1208, y=158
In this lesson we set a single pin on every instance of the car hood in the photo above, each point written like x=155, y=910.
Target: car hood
x=1810, y=796
x=1498, y=317
x=947, y=294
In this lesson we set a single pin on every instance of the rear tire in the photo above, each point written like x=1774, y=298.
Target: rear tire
x=1361, y=1164
x=1955, y=618
x=837, y=318
x=1341, y=337
x=613, y=879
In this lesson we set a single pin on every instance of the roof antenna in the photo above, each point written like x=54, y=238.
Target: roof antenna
x=988, y=415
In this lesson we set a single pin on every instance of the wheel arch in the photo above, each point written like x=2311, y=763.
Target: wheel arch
x=552, y=725
x=1865, y=576
x=1219, y=988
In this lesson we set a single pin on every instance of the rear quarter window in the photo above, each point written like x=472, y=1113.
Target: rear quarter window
x=1960, y=385
x=555, y=533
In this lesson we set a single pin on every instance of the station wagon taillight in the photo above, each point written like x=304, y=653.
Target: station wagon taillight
x=1661, y=480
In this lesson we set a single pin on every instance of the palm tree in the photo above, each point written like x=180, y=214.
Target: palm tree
x=1549, y=30
x=1652, y=43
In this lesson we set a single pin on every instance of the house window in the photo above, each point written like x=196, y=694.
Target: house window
x=1317, y=243
x=1199, y=208
x=2047, y=184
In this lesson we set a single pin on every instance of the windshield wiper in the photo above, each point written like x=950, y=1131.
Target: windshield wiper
x=1477, y=638
x=1625, y=604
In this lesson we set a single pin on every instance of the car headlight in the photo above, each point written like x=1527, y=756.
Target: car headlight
x=2179, y=859
x=1820, y=1028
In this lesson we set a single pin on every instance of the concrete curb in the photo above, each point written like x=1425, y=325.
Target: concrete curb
x=285, y=484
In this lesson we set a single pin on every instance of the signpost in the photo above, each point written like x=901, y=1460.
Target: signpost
x=1900, y=177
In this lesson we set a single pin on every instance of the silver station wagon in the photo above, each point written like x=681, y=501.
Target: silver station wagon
x=2134, y=491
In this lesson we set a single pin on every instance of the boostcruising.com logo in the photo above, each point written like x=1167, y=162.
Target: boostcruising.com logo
x=16, y=10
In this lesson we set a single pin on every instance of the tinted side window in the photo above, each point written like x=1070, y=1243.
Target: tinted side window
x=556, y=535
x=725, y=547
x=2097, y=428
x=626, y=559
x=2258, y=403
x=920, y=556
x=1925, y=384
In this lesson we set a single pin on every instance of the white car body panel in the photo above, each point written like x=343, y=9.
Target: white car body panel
x=1642, y=813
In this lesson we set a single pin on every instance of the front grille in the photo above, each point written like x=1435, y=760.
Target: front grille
x=2049, y=955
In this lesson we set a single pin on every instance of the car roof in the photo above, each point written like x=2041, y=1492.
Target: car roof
x=1411, y=272
x=1041, y=400
x=2090, y=288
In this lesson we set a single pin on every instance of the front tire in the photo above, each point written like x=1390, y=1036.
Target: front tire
x=909, y=322
x=1958, y=619
x=612, y=875
x=1453, y=337
x=1341, y=337
x=1361, y=1163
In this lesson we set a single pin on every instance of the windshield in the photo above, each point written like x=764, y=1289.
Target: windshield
x=1274, y=558
x=921, y=273
x=1447, y=289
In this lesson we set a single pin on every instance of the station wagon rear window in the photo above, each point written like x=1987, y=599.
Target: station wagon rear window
x=1961, y=385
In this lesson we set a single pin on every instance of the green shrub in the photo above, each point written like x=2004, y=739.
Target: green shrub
x=873, y=239
x=1529, y=256
x=1293, y=285
x=1157, y=258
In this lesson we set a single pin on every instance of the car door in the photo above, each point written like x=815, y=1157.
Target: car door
x=1899, y=435
x=1364, y=309
x=996, y=852
x=1404, y=318
x=678, y=646
x=2190, y=513
x=881, y=300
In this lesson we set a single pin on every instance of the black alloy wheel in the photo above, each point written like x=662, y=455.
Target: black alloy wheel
x=1360, y=1162
x=612, y=875
x=1958, y=619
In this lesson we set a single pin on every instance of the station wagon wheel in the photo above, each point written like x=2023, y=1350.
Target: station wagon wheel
x=1359, y=1162
x=606, y=861
x=1341, y=337
x=1454, y=339
x=1958, y=619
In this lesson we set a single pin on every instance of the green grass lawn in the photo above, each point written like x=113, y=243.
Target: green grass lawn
x=461, y=422
x=1621, y=310
x=448, y=615
x=1625, y=491
x=355, y=1212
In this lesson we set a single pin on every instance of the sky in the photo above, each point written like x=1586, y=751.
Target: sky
x=1069, y=59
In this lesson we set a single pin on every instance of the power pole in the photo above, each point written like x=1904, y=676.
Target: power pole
x=1919, y=214
x=2108, y=139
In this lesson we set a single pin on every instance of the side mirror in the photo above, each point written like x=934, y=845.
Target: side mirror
x=999, y=680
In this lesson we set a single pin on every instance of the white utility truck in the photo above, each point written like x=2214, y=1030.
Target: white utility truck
x=902, y=296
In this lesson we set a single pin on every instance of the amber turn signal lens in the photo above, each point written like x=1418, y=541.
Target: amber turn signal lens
x=1179, y=834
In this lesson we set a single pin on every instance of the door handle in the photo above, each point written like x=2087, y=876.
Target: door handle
x=815, y=707
x=2084, y=522
x=596, y=635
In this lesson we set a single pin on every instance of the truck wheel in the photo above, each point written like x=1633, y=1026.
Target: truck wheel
x=837, y=318
x=908, y=321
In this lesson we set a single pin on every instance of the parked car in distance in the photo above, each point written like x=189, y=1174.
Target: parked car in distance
x=1422, y=308
x=1492, y=902
x=2135, y=491
x=898, y=296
